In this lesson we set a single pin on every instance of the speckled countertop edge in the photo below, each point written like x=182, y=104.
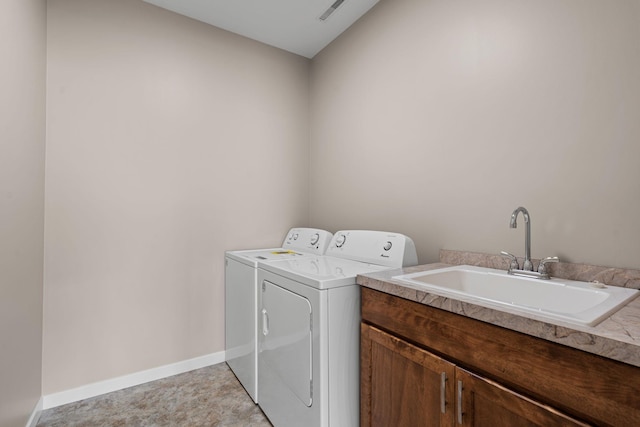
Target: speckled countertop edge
x=617, y=337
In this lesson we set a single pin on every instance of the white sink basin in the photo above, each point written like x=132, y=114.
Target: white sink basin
x=556, y=299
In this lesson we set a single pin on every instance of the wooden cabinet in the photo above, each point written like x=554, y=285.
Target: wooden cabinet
x=421, y=366
x=404, y=385
x=484, y=403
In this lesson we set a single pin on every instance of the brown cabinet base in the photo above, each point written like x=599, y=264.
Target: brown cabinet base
x=558, y=379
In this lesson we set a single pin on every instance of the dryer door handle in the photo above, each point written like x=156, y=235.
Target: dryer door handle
x=265, y=322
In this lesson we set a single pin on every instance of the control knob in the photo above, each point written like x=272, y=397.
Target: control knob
x=315, y=238
x=387, y=246
x=340, y=240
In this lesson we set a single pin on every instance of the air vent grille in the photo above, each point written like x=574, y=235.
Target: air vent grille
x=331, y=9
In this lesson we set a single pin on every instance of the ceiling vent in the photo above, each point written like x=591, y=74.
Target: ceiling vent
x=327, y=13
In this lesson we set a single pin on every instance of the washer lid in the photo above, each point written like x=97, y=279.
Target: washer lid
x=298, y=242
x=322, y=272
x=252, y=257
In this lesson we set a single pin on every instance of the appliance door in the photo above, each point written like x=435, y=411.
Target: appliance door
x=286, y=341
x=241, y=324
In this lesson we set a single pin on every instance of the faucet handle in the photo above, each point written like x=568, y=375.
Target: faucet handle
x=513, y=264
x=542, y=268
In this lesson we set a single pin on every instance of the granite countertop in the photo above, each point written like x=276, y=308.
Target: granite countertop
x=617, y=337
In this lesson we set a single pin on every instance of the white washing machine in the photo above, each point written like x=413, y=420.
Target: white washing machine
x=241, y=298
x=309, y=328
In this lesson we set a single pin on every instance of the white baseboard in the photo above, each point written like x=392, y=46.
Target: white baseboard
x=119, y=383
x=35, y=415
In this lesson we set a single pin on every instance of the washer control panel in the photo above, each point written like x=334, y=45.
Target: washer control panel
x=374, y=247
x=310, y=240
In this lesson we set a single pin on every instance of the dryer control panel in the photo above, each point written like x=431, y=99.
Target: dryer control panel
x=374, y=247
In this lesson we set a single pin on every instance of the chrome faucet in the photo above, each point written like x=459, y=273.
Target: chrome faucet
x=528, y=265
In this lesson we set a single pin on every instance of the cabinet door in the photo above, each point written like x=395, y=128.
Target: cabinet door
x=403, y=385
x=481, y=402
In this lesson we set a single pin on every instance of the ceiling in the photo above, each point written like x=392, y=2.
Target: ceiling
x=293, y=25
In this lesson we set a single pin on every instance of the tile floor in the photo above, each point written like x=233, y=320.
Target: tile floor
x=210, y=396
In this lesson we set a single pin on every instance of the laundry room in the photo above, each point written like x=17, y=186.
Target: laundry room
x=139, y=145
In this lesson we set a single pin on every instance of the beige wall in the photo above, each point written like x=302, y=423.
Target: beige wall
x=22, y=139
x=439, y=118
x=169, y=142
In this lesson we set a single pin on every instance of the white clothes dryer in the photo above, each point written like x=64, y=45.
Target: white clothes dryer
x=241, y=298
x=309, y=328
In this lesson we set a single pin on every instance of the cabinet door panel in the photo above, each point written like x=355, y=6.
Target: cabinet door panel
x=403, y=385
x=485, y=403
